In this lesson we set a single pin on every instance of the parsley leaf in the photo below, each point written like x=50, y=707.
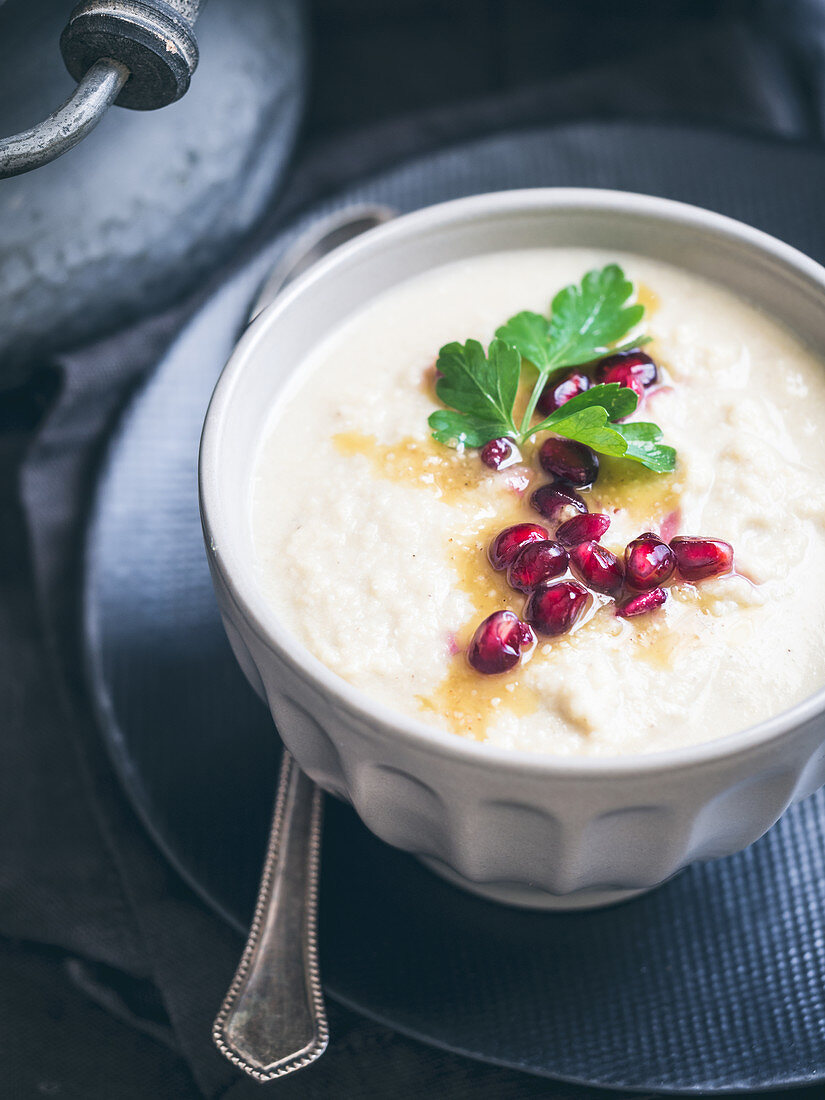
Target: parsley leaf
x=640, y=431
x=584, y=321
x=530, y=333
x=643, y=445
x=618, y=400
x=461, y=429
x=592, y=426
x=481, y=388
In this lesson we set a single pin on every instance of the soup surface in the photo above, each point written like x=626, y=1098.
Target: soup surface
x=371, y=538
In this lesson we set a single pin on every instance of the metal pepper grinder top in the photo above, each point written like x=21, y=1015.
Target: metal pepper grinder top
x=135, y=53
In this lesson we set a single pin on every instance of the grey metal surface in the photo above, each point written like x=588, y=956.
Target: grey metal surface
x=189, y=9
x=137, y=214
x=68, y=125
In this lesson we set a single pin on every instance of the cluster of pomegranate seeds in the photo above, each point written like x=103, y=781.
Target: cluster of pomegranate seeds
x=498, y=642
x=650, y=562
x=536, y=562
x=564, y=458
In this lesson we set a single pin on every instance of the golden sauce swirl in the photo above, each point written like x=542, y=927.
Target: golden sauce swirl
x=421, y=463
x=647, y=497
x=468, y=700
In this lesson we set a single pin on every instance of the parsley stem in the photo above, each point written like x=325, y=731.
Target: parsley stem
x=531, y=406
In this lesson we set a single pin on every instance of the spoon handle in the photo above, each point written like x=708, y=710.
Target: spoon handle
x=273, y=1020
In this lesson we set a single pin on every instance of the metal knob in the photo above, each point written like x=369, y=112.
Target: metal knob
x=152, y=38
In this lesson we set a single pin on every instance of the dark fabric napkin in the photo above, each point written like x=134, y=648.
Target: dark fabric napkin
x=86, y=901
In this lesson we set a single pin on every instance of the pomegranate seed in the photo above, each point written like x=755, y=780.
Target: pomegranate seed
x=536, y=563
x=623, y=366
x=597, y=567
x=553, y=608
x=497, y=643
x=557, y=502
x=644, y=602
x=586, y=528
x=495, y=453
x=511, y=540
x=697, y=558
x=574, y=462
x=555, y=396
x=527, y=636
x=632, y=384
x=648, y=562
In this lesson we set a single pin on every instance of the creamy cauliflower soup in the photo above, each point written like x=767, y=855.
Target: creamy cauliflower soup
x=554, y=592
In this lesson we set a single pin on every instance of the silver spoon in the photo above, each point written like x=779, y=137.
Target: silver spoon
x=273, y=1020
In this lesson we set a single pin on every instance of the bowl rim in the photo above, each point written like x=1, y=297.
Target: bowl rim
x=268, y=628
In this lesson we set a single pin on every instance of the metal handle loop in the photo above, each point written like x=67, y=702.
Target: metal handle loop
x=68, y=125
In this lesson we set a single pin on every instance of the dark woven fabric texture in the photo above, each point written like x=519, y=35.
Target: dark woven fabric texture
x=112, y=966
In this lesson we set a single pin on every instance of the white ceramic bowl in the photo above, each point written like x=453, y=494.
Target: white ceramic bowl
x=526, y=829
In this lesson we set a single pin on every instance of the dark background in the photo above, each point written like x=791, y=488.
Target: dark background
x=385, y=80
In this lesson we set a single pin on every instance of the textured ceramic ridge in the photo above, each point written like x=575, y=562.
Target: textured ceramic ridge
x=521, y=828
